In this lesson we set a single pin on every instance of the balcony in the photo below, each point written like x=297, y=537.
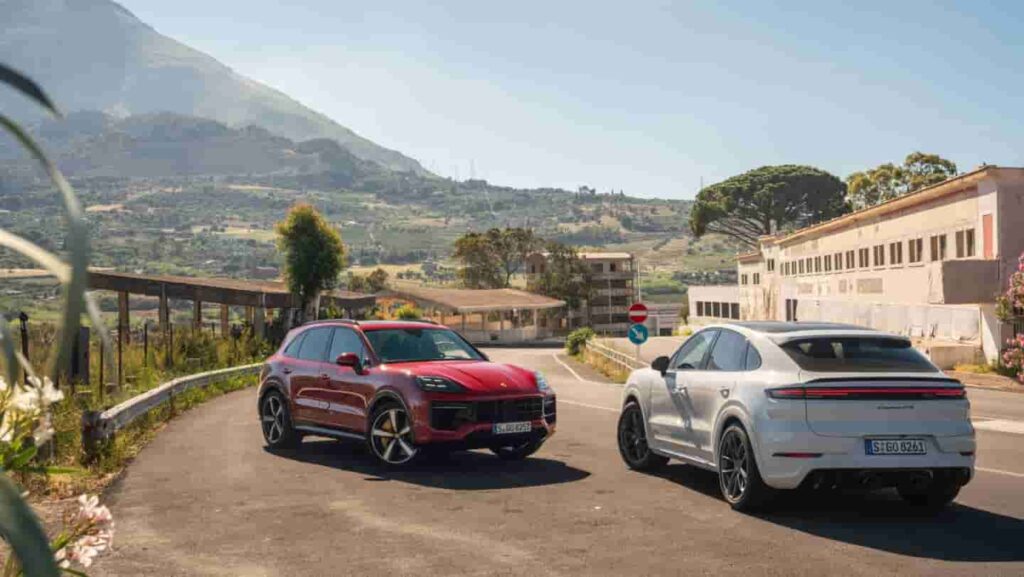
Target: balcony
x=615, y=292
x=607, y=276
x=957, y=282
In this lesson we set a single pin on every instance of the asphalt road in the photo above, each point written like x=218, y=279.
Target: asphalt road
x=205, y=498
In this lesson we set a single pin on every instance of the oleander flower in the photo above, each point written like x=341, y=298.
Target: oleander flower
x=88, y=532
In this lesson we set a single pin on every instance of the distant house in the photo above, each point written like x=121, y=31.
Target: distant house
x=927, y=265
x=613, y=275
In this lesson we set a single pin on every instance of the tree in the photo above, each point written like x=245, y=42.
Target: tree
x=766, y=200
x=490, y=259
x=888, y=181
x=313, y=252
x=565, y=277
x=377, y=280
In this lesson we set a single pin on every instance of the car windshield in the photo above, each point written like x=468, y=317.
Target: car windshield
x=857, y=354
x=416, y=344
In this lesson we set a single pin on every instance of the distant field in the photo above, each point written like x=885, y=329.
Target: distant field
x=13, y=273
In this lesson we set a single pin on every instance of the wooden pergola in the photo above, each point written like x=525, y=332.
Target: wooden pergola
x=256, y=296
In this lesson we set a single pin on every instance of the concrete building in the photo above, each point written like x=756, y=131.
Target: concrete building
x=613, y=275
x=927, y=265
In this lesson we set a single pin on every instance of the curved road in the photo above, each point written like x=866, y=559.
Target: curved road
x=205, y=498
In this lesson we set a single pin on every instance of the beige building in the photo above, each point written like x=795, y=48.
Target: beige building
x=613, y=275
x=927, y=265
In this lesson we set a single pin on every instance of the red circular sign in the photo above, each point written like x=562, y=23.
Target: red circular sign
x=638, y=312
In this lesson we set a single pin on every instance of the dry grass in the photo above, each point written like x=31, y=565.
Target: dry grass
x=612, y=370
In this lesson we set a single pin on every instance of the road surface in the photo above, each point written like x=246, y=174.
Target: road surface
x=205, y=498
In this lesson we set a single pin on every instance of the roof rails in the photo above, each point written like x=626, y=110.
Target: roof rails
x=328, y=321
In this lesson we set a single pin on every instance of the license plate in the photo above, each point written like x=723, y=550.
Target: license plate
x=506, y=428
x=895, y=447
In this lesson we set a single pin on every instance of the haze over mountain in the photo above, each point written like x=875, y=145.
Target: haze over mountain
x=96, y=55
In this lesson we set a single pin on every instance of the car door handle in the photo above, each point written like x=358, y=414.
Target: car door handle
x=324, y=377
x=286, y=371
x=680, y=389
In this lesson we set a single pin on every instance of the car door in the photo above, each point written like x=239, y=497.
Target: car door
x=349, y=391
x=309, y=378
x=711, y=388
x=670, y=417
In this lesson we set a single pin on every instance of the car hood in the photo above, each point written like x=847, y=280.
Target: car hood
x=480, y=376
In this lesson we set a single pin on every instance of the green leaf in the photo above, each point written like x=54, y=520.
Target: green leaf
x=20, y=528
x=9, y=352
x=19, y=461
x=26, y=86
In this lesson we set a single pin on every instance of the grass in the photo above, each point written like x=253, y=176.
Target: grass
x=613, y=371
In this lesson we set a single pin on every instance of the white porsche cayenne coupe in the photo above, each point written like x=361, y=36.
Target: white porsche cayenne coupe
x=772, y=405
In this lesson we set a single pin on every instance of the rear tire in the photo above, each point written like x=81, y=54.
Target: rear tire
x=633, y=445
x=935, y=498
x=738, y=476
x=518, y=452
x=276, y=422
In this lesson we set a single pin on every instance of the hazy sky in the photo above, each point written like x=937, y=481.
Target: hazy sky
x=647, y=97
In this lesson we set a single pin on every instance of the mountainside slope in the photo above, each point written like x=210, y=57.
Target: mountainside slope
x=96, y=55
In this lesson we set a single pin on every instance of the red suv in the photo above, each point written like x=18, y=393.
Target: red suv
x=400, y=386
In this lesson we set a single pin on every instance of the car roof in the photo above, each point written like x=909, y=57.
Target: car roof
x=781, y=332
x=374, y=325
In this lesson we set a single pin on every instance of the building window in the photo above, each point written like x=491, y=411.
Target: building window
x=896, y=253
x=743, y=279
x=862, y=258
x=596, y=267
x=915, y=250
x=716, y=310
x=700, y=308
x=828, y=263
x=757, y=280
x=849, y=260
x=771, y=265
x=938, y=246
x=880, y=255
x=838, y=259
x=734, y=309
x=801, y=267
x=965, y=243
x=611, y=267
x=817, y=264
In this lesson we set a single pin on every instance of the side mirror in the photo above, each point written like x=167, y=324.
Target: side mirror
x=350, y=360
x=660, y=364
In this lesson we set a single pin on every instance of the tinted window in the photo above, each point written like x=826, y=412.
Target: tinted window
x=853, y=354
x=691, y=354
x=346, y=341
x=292, y=350
x=314, y=345
x=730, y=352
x=753, y=358
x=398, y=345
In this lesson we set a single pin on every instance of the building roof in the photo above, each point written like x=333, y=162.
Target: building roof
x=750, y=257
x=474, y=300
x=272, y=294
x=945, y=188
x=606, y=255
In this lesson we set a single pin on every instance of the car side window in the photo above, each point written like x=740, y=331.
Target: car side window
x=314, y=345
x=292, y=350
x=691, y=354
x=346, y=341
x=753, y=361
x=730, y=352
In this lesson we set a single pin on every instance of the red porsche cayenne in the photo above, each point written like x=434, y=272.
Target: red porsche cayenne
x=400, y=386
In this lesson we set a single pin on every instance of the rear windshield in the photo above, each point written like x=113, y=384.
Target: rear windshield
x=857, y=354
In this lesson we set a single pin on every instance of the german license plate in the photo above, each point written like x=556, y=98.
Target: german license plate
x=506, y=428
x=895, y=447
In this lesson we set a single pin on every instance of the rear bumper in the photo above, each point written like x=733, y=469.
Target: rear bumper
x=785, y=459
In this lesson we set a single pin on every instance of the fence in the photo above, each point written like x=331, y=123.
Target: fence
x=100, y=426
x=624, y=360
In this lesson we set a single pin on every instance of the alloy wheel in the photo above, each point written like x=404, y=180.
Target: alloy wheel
x=273, y=419
x=391, y=437
x=734, y=466
x=632, y=437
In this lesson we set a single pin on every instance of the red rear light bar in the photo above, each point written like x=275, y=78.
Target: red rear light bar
x=867, y=393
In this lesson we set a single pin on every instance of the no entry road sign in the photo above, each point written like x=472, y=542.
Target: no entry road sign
x=638, y=313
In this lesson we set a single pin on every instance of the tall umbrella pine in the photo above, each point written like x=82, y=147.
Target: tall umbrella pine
x=312, y=251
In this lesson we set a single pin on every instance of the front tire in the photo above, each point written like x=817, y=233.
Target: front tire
x=518, y=452
x=276, y=422
x=390, y=436
x=633, y=441
x=738, y=476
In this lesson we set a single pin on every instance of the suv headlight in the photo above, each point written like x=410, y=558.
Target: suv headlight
x=542, y=383
x=439, y=385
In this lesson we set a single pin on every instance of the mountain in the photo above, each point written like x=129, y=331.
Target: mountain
x=96, y=55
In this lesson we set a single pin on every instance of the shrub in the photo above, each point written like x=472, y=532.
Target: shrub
x=408, y=312
x=577, y=339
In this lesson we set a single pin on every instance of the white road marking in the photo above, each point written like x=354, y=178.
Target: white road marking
x=577, y=375
x=1001, y=426
x=589, y=406
x=1000, y=472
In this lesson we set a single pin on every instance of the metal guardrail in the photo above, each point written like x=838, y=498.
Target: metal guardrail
x=625, y=360
x=98, y=426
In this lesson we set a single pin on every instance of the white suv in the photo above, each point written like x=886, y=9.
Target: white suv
x=771, y=405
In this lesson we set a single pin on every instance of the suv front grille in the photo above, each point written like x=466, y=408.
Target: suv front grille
x=449, y=415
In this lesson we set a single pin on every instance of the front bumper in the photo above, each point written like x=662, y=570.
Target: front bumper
x=469, y=422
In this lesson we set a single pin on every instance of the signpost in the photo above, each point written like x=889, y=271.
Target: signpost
x=638, y=333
